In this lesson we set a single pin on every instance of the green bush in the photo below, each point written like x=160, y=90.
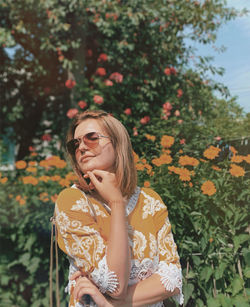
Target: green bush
x=207, y=202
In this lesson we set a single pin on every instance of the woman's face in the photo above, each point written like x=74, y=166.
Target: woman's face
x=101, y=157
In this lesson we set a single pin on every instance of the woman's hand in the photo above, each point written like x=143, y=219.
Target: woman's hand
x=106, y=185
x=85, y=286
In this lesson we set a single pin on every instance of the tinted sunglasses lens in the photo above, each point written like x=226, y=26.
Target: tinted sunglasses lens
x=72, y=145
x=91, y=139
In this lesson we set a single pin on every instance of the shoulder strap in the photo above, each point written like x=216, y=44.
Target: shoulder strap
x=52, y=220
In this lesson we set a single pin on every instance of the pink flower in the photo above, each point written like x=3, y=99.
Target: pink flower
x=46, y=137
x=177, y=113
x=117, y=77
x=102, y=57
x=128, y=111
x=82, y=104
x=167, y=106
x=182, y=141
x=98, y=99
x=70, y=83
x=108, y=82
x=217, y=138
x=180, y=121
x=145, y=120
x=72, y=113
x=135, y=133
x=179, y=93
x=101, y=71
x=167, y=71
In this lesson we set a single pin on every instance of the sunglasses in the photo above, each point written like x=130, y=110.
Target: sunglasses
x=91, y=140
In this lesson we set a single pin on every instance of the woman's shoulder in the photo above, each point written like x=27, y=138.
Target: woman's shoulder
x=149, y=192
x=70, y=195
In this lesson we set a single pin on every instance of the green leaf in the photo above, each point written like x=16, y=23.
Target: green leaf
x=237, y=285
x=213, y=302
x=206, y=273
x=238, y=240
x=188, y=290
x=246, y=272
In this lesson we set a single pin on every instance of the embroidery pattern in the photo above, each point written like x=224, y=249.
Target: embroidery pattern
x=151, y=205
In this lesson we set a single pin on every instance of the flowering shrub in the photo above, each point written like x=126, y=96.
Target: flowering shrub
x=206, y=200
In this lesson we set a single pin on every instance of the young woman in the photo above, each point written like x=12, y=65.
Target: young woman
x=117, y=236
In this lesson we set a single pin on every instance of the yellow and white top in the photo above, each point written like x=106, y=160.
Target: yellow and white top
x=83, y=237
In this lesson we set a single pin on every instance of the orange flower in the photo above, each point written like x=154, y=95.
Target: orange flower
x=64, y=183
x=44, y=178
x=190, y=184
x=184, y=174
x=136, y=157
x=167, y=151
x=146, y=184
x=210, y=240
x=211, y=152
x=30, y=180
x=167, y=141
x=55, y=178
x=202, y=160
x=208, y=188
x=139, y=166
x=34, y=154
x=22, y=201
x=21, y=164
x=71, y=176
x=44, y=197
x=32, y=163
x=237, y=159
x=54, y=198
x=163, y=159
x=234, y=151
x=3, y=180
x=247, y=158
x=31, y=169
x=216, y=168
x=150, y=137
x=236, y=170
x=173, y=169
x=186, y=160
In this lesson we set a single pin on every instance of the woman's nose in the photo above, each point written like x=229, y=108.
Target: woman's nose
x=82, y=145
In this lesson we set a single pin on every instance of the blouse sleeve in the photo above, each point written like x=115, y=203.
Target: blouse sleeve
x=169, y=267
x=79, y=236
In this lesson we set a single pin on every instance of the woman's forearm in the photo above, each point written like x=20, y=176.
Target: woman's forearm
x=146, y=292
x=118, y=252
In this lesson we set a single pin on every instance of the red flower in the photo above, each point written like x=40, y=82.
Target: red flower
x=70, y=83
x=145, y=120
x=72, y=113
x=173, y=70
x=82, y=104
x=46, y=137
x=102, y=57
x=135, y=132
x=31, y=148
x=128, y=111
x=89, y=53
x=167, y=71
x=108, y=82
x=117, y=77
x=167, y=106
x=101, y=71
x=182, y=141
x=98, y=99
x=179, y=93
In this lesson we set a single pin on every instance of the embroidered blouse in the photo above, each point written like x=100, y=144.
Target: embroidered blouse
x=83, y=237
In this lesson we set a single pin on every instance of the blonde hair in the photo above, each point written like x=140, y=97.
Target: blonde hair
x=125, y=170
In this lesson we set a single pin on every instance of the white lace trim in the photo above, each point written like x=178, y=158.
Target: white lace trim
x=105, y=279
x=133, y=201
x=171, y=278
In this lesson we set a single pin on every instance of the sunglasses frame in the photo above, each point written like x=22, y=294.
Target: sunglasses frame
x=72, y=147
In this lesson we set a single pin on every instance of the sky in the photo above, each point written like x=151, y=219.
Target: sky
x=235, y=36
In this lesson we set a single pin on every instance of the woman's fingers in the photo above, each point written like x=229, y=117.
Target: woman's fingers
x=76, y=275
